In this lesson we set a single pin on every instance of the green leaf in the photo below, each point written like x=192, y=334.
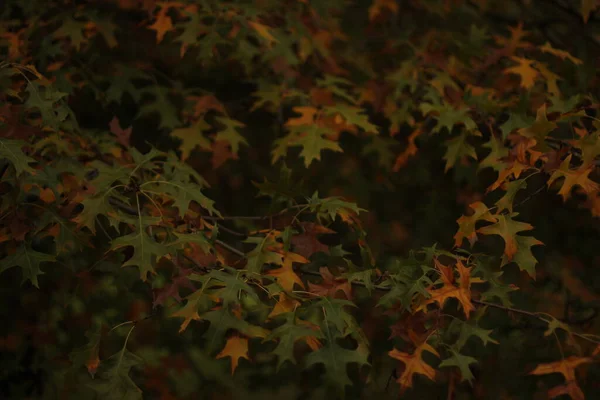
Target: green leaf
x=182, y=194
x=230, y=133
x=262, y=254
x=506, y=202
x=462, y=362
x=515, y=121
x=524, y=256
x=448, y=116
x=146, y=251
x=335, y=359
x=287, y=335
x=11, y=150
x=113, y=380
x=192, y=137
x=29, y=260
x=331, y=207
x=161, y=105
x=195, y=238
x=457, y=149
x=45, y=99
x=354, y=116
x=467, y=329
x=313, y=143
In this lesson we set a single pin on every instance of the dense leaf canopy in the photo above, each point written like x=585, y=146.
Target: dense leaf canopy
x=299, y=199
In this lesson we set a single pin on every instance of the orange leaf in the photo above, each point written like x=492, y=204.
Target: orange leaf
x=566, y=367
x=410, y=150
x=163, y=23
x=414, y=364
x=285, y=275
x=576, y=177
x=236, y=348
x=284, y=304
x=307, y=116
x=525, y=70
x=461, y=293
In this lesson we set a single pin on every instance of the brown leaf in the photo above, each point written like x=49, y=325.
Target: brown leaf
x=331, y=285
x=123, y=135
x=306, y=243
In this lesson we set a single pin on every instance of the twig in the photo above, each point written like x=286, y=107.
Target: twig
x=254, y=218
x=230, y=248
x=532, y=315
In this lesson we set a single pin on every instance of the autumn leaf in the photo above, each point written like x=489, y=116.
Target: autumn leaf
x=566, y=367
x=123, y=135
x=163, y=22
x=467, y=224
x=462, y=292
x=507, y=228
x=572, y=178
x=563, y=55
x=330, y=285
x=525, y=70
x=235, y=348
x=587, y=7
x=307, y=243
x=285, y=304
x=285, y=275
x=414, y=364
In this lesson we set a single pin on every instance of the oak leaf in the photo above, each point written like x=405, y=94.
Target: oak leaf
x=414, y=364
x=462, y=293
x=235, y=348
x=565, y=367
x=507, y=228
x=285, y=275
x=330, y=285
x=467, y=223
x=525, y=70
x=573, y=177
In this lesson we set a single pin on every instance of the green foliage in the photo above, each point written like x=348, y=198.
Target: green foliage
x=274, y=172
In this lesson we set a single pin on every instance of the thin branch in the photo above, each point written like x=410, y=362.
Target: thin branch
x=230, y=248
x=254, y=218
x=532, y=315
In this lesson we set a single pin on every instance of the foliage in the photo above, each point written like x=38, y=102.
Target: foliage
x=257, y=199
